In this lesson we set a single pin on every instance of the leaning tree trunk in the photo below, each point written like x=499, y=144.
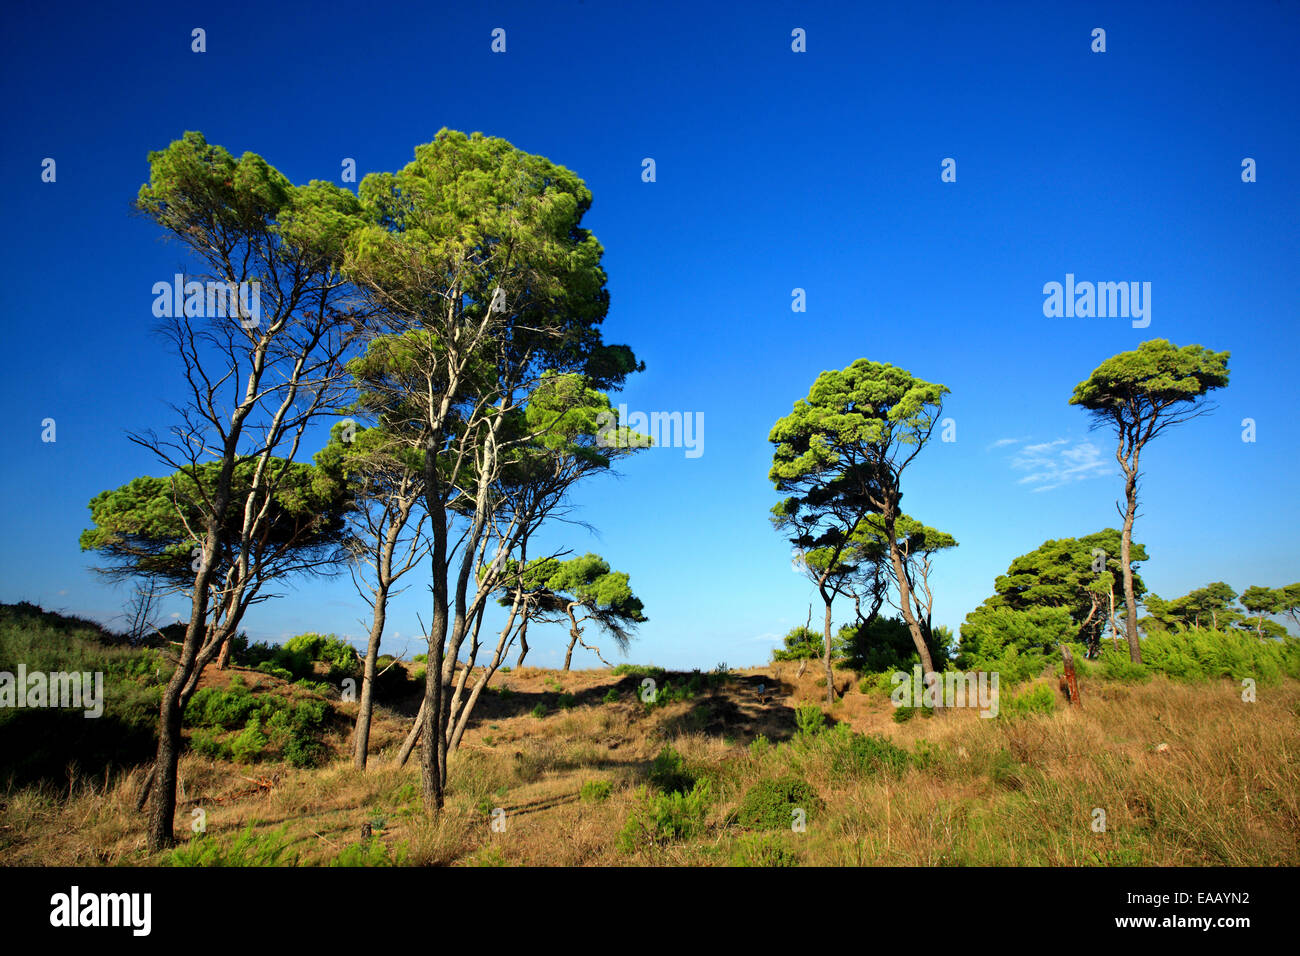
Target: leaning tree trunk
x=361, y=739
x=523, y=643
x=1125, y=548
x=905, y=606
x=223, y=659
x=574, y=634
x=162, y=802
x=826, y=656
x=162, y=794
x=412, y=738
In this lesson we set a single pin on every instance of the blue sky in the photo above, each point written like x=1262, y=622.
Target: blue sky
x=775, y=170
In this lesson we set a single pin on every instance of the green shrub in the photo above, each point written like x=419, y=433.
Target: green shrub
x=292, y=726
x=762, y=849
x=886, y=644
x=222, y=709
x=539, y=711
x=638, y=670
x=565, y=701
x=862, y=754
x=206, y=743
x=669, y=693
x=275, y=670
x=611, y=696
x=669, y=772
x=770, y=804
x=305, y=752
x=248, y=746
x=1039, y=699
x=810, y=720
x=595, y=791
x=990, y=633
x=1116, y=665
x=339, y=655
x=880, y=685
x=247, y=849
x=661, y=818
x=1207, y=654
x=371, y=852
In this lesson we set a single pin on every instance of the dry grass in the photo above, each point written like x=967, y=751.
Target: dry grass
x=1224, y=791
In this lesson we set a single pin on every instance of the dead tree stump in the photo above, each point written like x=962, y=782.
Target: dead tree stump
x=1070, y=683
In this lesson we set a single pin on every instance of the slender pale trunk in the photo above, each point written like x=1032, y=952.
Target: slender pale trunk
x=1125, y=549
x=503, y=645
x=523, y=643
x=412, y=737
x=361, y=738
x=826, y=652
x=905, y=600
x=574, y=634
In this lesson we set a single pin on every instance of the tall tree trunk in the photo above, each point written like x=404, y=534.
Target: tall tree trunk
x=162, y=797
x=162, y=802
x=826, y=655
x=361, y=738
x=905, y=600
x=433, y=742
x=1125, y=547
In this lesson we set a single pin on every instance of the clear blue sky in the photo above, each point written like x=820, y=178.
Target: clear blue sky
x=775, y=170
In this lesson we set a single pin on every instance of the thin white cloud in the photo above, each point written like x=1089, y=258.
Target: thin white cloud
x=1003, y=443
x=1060, y=462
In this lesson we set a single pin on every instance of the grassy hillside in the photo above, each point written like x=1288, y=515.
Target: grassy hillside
x=575, y=769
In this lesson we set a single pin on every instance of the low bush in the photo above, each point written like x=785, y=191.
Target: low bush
x=772, y=804
x=1116, y=665
x=271, y=724
x=669, y=772
x=810, y=720
x=249, y=745
x=595, y=791
x=658, y=819
x=371, y=852
x=1039, y=699
x=762, y=849
x=854, y=754
x=638, y=670
x=247, y=849
x=1206, y=654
